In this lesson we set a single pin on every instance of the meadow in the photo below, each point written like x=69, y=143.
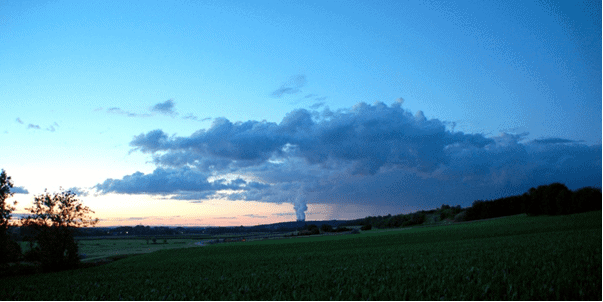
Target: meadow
x=511, y=258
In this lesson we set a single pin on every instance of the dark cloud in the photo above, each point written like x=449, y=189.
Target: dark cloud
x=166, y=108
x=19, y=190
x=293, y=86
x=185, y=183
x=366, y=155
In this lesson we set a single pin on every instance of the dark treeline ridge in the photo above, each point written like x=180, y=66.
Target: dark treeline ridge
x=142, y=230
x=553, y=199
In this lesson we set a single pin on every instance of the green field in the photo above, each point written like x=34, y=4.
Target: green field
x=513, y=258
x=104, y=248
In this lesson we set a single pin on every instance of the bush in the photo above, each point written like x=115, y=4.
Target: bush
x=313, y=231
x=13, y=251
x=460, y=217
x=366, y=227
x=326, y=228
x=355, y=231
x=311, y=227
x=342, y=229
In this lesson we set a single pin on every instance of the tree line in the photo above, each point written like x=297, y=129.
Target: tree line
x=552, y=199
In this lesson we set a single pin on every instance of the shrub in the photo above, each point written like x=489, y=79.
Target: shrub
x=460, y=217
x=366, y=227
x=326, y=228
x=342, y=229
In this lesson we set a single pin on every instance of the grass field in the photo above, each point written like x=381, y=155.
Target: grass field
x=513, y=258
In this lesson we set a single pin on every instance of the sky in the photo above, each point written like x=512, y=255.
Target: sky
x=228, y=113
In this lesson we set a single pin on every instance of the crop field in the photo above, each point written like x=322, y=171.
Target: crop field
x=512, y=258
x=97, y=249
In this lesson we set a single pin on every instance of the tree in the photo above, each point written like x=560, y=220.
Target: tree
x=586, y=199
x=55, y=217
x=9, y=251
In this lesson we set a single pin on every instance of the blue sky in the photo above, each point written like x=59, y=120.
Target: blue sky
x=249, y=112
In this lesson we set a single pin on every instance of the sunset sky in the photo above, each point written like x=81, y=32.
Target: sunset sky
x=226, y=113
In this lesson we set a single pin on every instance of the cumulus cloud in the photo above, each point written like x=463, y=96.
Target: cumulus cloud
x=186, y=183
x=32, y=126
x=365, y=155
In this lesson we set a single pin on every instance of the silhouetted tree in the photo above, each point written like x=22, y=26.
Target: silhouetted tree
x=54, y=217
x=586, y=199
x=9, y=250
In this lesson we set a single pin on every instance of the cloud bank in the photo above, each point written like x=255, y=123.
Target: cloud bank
x=372, y=155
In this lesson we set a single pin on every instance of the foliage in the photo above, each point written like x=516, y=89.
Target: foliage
x=514, y=258
x=342, y=229
x=326, y=228
x=553, y=199
x=8, y=251
x=366, y=227
x=53, y=220
x=310, y=229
